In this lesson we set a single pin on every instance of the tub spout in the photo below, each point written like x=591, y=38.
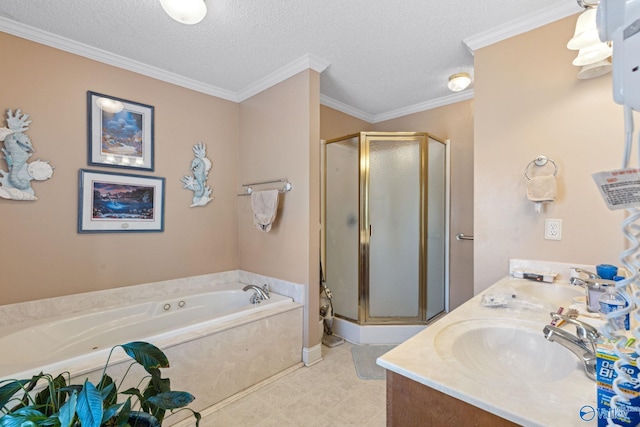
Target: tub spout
x=260, y=294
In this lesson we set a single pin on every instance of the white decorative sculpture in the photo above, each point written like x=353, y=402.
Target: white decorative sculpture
x=198, y=181
x=16, y=183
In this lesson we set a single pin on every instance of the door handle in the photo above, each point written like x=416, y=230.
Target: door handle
x=463, y=237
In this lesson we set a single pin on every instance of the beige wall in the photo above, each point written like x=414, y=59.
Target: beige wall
x=41, y=254
x=528, y=102
x=453, y=122
x=280, y=138
x=335, y=124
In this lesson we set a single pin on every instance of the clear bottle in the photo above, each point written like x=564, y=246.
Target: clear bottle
x=611, y=301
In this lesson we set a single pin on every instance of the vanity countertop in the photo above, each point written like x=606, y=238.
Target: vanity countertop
x=525, y=402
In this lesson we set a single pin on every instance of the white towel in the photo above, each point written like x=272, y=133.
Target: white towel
x=265, y=207
x=542, y=188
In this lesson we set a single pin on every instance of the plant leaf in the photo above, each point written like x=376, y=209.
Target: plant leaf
x=68, y=411
x=8, y=390
x=172, y=399
x=111, y=412
x=49, y=402
x=89, y=407
x=148, y=355
x=109, y=393
x=23, y=417
x=123, y=416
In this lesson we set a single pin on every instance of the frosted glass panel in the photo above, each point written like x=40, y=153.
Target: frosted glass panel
x=342, y=241
x=394, y=215
x=436, y=229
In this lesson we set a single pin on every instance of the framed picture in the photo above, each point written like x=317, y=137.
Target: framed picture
x=120, y=132
x=111, y=202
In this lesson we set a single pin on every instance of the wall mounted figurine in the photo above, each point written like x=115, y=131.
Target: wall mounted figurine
x=16, y=183
x=198, y=181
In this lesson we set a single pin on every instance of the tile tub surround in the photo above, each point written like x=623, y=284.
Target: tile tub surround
x=539, y=404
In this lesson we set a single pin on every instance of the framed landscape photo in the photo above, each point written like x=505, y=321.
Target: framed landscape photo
x=111, y=202
x=120, y=132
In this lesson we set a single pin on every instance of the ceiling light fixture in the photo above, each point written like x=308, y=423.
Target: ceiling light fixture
x=459, y=81
x=185, y=11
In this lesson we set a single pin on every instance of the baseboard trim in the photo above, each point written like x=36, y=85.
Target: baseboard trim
x=311, y=356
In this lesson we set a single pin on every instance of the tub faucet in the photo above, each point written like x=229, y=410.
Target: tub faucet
x=260, y=293
x=583, y=344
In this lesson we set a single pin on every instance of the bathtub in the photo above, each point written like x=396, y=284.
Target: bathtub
x=218, y=343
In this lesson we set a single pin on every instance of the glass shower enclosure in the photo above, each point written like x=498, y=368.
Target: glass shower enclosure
x=386, y=226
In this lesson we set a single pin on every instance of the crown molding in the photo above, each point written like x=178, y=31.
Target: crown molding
x=345, y=108
x=306, y=62
x=522, y=25
x=416, y=108
x=58, y=42
x=424, y=106
x=71, y=46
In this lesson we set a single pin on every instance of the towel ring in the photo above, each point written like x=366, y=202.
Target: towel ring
x=540, y=161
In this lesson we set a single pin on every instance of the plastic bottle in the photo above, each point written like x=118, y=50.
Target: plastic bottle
x=611, y=301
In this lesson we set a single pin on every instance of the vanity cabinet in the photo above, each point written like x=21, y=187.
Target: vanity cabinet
x=410, y=403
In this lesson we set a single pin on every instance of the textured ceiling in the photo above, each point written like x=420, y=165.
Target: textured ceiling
x=383, y=55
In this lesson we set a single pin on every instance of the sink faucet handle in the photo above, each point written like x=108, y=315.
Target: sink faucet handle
x=584, y=330
x=265, y=288
x=588, y=273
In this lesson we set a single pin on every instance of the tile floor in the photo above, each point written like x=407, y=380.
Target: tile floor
x=327, y=394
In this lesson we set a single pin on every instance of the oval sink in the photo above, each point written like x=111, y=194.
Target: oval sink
x=558, y=295
x=495, y=350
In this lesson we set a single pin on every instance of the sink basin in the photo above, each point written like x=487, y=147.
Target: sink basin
x=557, y=295
x=494, y=350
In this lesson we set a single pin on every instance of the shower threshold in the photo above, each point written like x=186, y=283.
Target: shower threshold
x=374, y=334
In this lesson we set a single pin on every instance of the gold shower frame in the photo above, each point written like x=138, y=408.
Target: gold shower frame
x=364, y=142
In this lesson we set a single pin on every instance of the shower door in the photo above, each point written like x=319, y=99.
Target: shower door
x=385, y=227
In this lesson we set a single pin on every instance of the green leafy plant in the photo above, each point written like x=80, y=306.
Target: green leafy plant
x=24, y=403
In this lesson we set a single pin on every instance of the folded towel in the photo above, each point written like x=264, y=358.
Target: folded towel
x=542, y=188
x=265, y=206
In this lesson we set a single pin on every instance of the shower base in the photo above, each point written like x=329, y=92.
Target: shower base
x=374, y=334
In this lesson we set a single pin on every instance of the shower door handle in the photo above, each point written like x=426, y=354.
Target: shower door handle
x=370, y=230
x=463, y=237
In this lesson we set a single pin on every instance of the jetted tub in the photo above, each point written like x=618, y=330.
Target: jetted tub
x=218, y=343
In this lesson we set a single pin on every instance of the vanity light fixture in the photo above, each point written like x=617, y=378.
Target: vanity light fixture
x=597, y=69
x=185, y=11
x=592, y=53
x=586, y=32
x=459, y=81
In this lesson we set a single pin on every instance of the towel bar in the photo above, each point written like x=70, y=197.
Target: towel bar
x=286, y=186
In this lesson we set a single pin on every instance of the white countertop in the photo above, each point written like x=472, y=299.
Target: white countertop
x=529, y=403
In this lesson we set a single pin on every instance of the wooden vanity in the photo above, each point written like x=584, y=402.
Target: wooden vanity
x=410, y=403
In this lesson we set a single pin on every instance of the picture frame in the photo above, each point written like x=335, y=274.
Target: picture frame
x=111, y=202
x=120, y=132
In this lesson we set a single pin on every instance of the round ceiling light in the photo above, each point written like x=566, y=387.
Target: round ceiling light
x=185, y=11
x=459, y=81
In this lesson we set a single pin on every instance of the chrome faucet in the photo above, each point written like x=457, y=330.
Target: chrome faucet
x=260, y=293
x=582, y=282
x=583, y=344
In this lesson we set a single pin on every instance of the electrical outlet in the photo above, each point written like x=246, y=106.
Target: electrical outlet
x=553, y=229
